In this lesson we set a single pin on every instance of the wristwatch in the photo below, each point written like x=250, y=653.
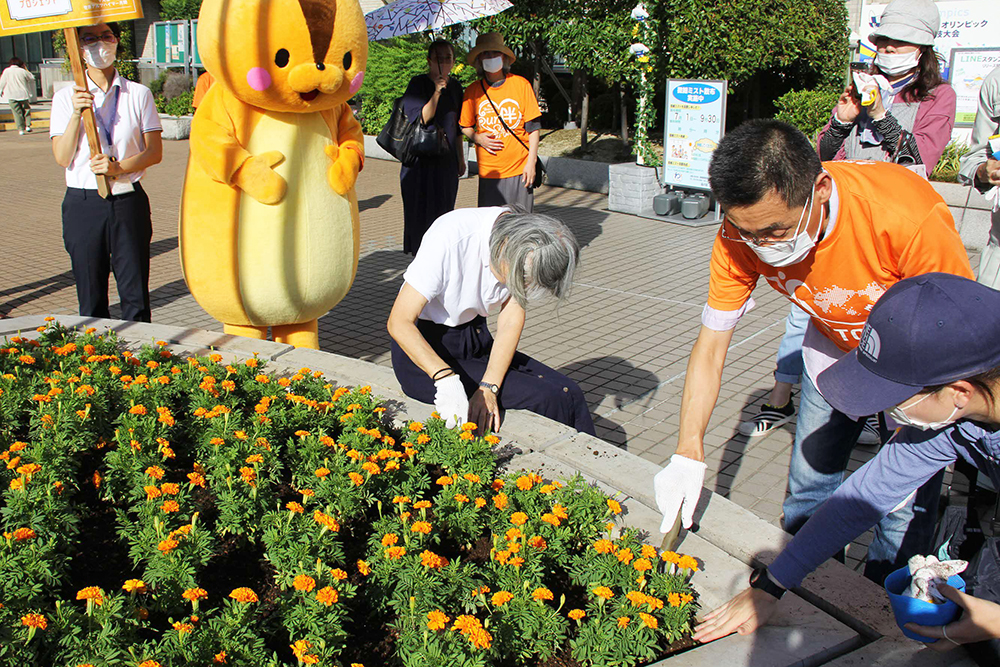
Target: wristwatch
x=761, y=581
x=492, y=387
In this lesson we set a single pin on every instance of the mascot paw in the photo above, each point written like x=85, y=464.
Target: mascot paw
x=257, y=178
x=343, y=173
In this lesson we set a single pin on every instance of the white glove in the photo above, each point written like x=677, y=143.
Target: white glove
x=677, y=488
x=450, y=401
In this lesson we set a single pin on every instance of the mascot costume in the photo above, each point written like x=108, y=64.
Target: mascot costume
x=269, y=231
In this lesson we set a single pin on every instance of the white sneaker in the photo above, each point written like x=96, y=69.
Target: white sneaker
x=870, y=433
x=20, y=131
x=28, y=131
x=768, y=419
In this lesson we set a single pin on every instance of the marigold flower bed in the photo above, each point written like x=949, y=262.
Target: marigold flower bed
x=173, y=511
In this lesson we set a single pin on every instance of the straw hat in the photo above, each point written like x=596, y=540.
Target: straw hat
x=490, y=41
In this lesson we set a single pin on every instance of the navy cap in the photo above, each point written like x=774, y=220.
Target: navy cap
x=924, y=331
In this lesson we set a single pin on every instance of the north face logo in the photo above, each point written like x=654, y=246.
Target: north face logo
x=870, y=344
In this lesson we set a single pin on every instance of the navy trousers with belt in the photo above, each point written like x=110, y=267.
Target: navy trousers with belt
x=104, y=235
x=528, y=385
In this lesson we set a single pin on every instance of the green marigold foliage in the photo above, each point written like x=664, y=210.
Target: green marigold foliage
x=160, y=511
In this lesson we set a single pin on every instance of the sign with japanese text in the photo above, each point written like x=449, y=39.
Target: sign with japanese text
x=21, y=16
x=695, y=121
x=964, y=24
x=968, y=69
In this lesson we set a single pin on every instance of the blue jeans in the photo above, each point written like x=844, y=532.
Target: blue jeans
x=789, y=368
x=824, y=439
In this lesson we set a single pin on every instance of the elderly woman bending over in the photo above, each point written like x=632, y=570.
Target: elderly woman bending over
x=472, y=261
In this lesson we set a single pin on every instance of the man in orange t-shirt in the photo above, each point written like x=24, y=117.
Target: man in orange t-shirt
x=832, y=237
x=506, y=158
x=201, y=87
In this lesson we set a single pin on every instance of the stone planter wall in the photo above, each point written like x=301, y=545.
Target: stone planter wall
x=837, y=617
x=632, y=188
x=176, y=127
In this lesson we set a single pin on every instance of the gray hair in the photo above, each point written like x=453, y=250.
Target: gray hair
x=538, y=252
x=507, y=62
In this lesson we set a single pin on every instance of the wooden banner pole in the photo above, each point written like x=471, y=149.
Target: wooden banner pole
x=89, y=123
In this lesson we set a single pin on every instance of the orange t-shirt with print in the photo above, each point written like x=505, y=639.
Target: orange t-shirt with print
x=516, y=102
x=890, y=224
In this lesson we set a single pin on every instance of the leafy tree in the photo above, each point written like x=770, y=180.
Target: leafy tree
x=174, y=10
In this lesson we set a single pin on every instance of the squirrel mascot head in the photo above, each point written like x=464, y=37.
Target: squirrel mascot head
x=298, y=56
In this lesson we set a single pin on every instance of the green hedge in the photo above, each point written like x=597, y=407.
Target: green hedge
x=178, y=106
x=808, y=110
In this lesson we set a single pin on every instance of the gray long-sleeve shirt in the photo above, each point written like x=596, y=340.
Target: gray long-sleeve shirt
x=986, y=125
x=901, y=467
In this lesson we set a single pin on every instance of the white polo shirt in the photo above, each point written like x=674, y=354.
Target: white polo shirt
x=452, y=267
x=126, y=111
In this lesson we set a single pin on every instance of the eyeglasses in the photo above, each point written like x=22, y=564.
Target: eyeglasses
x=107, y=38
x=764, y=242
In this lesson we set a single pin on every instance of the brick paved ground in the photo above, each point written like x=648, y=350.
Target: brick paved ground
x=624, y=336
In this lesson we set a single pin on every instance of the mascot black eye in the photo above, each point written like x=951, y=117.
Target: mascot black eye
x=281, y=58
x=347, y=60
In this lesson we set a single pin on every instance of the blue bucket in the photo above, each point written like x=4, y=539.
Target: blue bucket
x=911, y=610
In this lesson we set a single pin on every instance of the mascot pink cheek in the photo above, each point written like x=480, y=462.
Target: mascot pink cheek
x=258, y=79
x=356, y=82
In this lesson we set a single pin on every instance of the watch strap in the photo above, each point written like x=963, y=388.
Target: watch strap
x=492, y=387
x=761, y=581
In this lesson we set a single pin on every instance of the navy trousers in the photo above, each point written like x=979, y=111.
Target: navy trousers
x=103, y=235
x=528, y=384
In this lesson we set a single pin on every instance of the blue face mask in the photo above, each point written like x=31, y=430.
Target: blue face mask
x=900, y=417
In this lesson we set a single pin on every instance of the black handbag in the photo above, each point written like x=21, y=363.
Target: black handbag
x=408, y=141
x=539, y=167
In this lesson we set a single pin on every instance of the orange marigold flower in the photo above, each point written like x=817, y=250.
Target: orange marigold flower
x=34, y=621
x=421, y=504
x=196, y=479
x=623, y=621
x=371, y=468
x=551, y=518
x=295, y=507
x=492, y=439
x=134, y=586
x=519, y=518
x=461, y=498
x=469, y=426
x=648, y=552
x=137, y=410
x=423, y=439
x=26, y=359
x=251, y=363
x=542, y=594
x=171, y=489
x=670, y=557
x=167, y=545
x=156, y=472
x=637, y=598
x=241, y=435
x=560, y=511
x=255, y=458
x=416, y=427
x=603, y=592
x=183, y=628
x=513, y=534
x=170, y=506
x=465, y=435
x=91, y=593
x=625, y=555
x=649, y=620
x=524, y=483
x=687, y=563
x=193, y=594
x=577, y=614
x=395, y=553
x=685, y=598
x=22, y=534
x=149, y=663
x=500, y=501
x=642, y=565
x=243, y=595
x=674, y=600
x=322, y=472
x=421, y=527
x=501, y=598
x=389, y=539
x=363, y=568
x=432, y=560
x=614, y=506
x=401, y=500
x=338, y=574
x=356, y=478
x=445, y=480
x=304, y=583
x=604, y=546
x=437, y=620
x=220, y=658
x=327, y=595
x=327, y=521
x=537, y=542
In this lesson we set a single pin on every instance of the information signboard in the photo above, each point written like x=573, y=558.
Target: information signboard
x=22, y=16
x=694, y=123
x=195, y=56
x=968, y=69
x=170, y=42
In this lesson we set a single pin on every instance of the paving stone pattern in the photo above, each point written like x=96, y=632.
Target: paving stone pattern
x=624, y=336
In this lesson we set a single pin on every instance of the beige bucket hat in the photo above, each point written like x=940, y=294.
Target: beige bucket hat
x=490, y=41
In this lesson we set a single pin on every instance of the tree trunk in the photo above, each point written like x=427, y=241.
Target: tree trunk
x=576, y=93
x=623, y=118
x=615, y=108
x=536, y=82
x=584, y=110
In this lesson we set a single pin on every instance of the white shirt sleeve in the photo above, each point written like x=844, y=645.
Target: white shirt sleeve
x=149, y=118
x=724, y=320
x=62, y=110
x=426, y=273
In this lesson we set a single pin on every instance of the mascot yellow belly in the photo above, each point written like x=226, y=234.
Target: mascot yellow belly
x=295, y=259
x=269, y=234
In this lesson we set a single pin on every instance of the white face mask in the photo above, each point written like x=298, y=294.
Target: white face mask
x=897, y=63
x=100, y=55
x=493, y=65
x=784, y=253
x=900, y=417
